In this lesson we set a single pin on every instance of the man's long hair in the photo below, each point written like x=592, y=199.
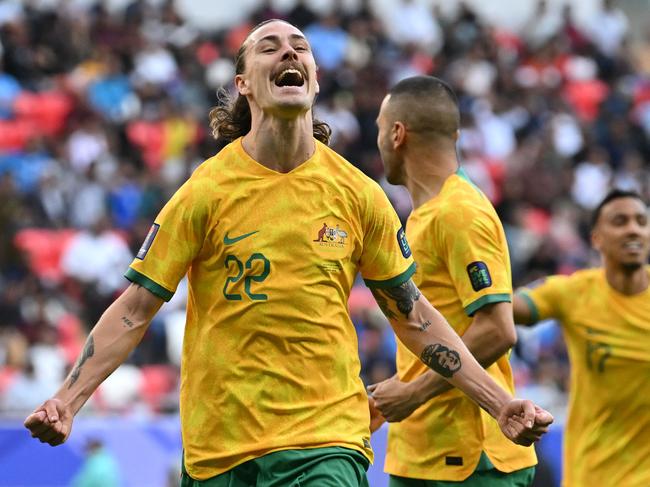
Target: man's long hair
x=231, y=118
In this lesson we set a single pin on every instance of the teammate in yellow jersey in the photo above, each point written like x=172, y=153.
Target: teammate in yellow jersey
x=271, y=233
x=605, y=318
x=464, y=270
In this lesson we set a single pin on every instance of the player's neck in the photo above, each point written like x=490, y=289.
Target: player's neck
x=426, y=173
x=627, y=281
x=280, y=144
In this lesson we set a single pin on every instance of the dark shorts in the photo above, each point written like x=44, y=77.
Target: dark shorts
x=485, y=475
x=318, y=467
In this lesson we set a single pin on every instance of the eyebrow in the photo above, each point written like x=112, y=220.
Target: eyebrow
x=276, y=38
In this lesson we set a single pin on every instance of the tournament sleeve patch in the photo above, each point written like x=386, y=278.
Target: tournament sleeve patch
x=479, y=275
x=148, y=241
x=403, y=243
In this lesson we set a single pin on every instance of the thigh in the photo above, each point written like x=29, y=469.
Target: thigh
x=318, y=467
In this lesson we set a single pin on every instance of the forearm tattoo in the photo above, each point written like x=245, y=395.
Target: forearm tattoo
x=88, y=351
x=404, y=296
x=127, y=322
x=441, y=359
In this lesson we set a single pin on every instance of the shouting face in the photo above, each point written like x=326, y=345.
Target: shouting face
x=279, y=75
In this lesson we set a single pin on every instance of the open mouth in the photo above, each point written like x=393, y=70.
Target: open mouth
x=633, y=246
x=290, y=77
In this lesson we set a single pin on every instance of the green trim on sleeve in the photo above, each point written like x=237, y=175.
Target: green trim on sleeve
x=394, y=281
x=134, y=276
x=534, y=312
x=474, y=306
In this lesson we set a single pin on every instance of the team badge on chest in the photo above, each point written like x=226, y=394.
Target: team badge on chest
x=331, y=239
x=331, y=236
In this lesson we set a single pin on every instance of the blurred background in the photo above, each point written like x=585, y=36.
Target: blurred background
x=103, y=114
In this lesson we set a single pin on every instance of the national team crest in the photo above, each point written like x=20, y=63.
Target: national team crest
x=331, y=236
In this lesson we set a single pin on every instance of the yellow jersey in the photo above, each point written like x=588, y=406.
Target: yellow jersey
x=607, y=434
x=463, y=264
x=270, y=359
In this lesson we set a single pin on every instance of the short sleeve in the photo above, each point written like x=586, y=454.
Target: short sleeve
x=477, y=257
x=173, y=241
x=545, y=297
x=386, y=259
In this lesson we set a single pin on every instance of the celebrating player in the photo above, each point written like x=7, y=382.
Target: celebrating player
x=464, y=270
x=605, y=317
x=271, y=233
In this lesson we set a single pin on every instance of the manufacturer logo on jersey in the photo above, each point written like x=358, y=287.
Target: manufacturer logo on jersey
x=479, y=275
x=227, y=240
x=331, y=236
x=153, y=231
x=403, y=243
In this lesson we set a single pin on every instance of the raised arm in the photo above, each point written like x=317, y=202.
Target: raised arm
x=427, y=334
x=115, y=335
x=490, y=335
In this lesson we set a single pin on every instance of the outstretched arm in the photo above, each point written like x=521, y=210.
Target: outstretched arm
x=116, y=334
x=490, y=335
x=426, y=333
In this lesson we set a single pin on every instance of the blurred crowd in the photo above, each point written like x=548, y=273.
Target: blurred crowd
x=103, y=114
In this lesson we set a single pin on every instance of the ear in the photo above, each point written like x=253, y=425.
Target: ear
x=596, y=240
x=317, y=88
x=456, y=135
x=242, y=85
x=398, y=135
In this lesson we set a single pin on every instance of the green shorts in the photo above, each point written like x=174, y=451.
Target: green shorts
x=485, y=475
x=317, y=467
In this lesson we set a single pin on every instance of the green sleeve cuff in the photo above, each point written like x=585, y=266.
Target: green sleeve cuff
x=534, y=312
x=474, y=306
x=152, y=286
x=394, y=281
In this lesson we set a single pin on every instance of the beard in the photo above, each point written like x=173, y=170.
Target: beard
x=630, y=267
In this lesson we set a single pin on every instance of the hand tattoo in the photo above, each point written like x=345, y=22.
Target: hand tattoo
x=441, y=359
x=88, y=351
x=404, y=296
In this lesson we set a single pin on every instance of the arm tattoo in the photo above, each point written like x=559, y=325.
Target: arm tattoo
x=404, y=296
x=383, y=304
x=127, y=322
x=88, y=351
x=441, y=359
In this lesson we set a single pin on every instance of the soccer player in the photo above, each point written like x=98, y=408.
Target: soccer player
x=271, y=233
x=464, y=270
x=605, y=318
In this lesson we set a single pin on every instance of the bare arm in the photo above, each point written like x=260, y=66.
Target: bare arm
x=491, y=334
x=428, y=335
x=115, y=335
